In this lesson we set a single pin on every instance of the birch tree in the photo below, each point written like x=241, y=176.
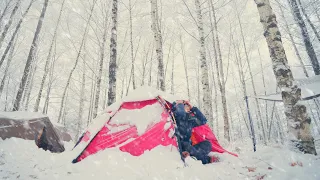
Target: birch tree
x=4, y=55
x=296, y=113
x=7, y=26
x=207, y=97
x=309, y=21
x=46, y=68
x=259, y=116
x=113, y=54
x=76, y=63
x=31, y=55
x=286, y=25
x=158, y=41
x=101, y=62
x=4, y=12
x=305, y=36
x=220, y=71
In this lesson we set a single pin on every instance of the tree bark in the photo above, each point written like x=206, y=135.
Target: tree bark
x=296, y=113
x=305, y=36
x=101, y=62
x=113, y=55
x=4, y=12
x=292, y=40
x=131, y=44
x=31, y=55
x=158, y=40
x=15, y=33
x=252, y=80
x=7, y=26
x=185, y=64
x=219, y=69
x=309, y=21
x=7, y=67
x=46, y=68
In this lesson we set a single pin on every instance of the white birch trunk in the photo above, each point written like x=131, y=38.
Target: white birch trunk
x=309, y=21
x=286, y=25
x=296, y=113
x=158, y=40
x=113, y=55
x=259, y=116
x=14, y=34
x=31, y=55
x=76, y=62
x=131, y=44
x=4, y=12
x=305, y=36
x=7, y=26
x=101, y=62
x=82, y=98
x=207, y=97
x=46, y=68
x=220, y=75
x=185, y=65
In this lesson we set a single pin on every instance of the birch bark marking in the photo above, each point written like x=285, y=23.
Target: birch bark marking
x=158, y=40
x=113, y=55
x=296, y=113
x=207, y=96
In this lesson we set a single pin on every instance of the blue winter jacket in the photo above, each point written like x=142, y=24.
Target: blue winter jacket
x=187, y=121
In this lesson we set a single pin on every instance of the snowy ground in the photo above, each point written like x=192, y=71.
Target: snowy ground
x=21, y=159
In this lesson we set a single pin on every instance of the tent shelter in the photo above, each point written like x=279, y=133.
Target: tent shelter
x=26, y=125
x=137, y=124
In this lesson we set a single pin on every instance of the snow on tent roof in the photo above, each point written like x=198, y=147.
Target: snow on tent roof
x=21, y=115
x=310, y=88
x=146, y=93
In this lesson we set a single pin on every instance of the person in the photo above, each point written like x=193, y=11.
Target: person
x=188, y=117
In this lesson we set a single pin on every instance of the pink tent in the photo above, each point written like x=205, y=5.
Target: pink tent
x=135, y=127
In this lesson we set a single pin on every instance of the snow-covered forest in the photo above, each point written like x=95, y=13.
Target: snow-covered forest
x=251, y=66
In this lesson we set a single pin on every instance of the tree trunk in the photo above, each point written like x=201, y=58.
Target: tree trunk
x=113, y=55
x=46, y=68
x=15, y=33
x=292, y=40
x=172, y=73
x=76, y=62
x=32, y=51
x=221, y=81
x=252, y=81
x=309, y=21
x=185, y=64
x=82, y=98
x=158, y=40
x=296, y=113
x=4, y=12
x=131, y=44
x=7, y=67
x=305, y=36
x=7, y=26
x=207, y=97
x=98, y=78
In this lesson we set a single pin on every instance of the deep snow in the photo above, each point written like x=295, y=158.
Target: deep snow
x=21, y=159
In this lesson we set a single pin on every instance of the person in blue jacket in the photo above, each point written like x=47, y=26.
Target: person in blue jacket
x=188, y=117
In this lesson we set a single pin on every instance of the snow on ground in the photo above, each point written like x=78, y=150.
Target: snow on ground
x=21, y=159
